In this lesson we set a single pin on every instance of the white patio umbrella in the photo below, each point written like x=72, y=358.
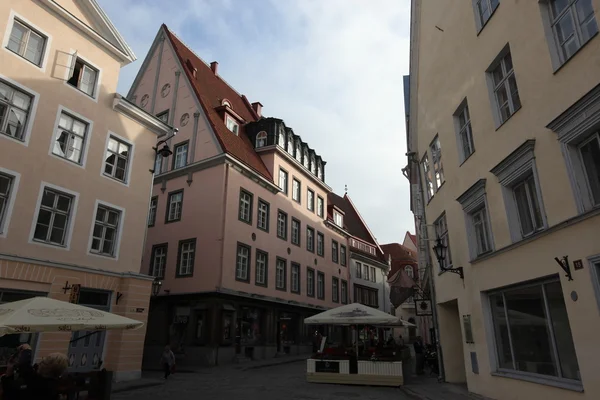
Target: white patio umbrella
x=355, y=314
x=43, y=314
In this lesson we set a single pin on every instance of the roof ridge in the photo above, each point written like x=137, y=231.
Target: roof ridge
x=201, y=59
x=363, y=221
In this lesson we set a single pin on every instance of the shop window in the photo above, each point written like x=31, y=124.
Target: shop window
x=228, y=327
x=250, y=325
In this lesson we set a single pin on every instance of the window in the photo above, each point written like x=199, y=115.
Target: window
x=334, y=251
x=295, y=232
x=483, y=11
x=27, y=43
x=441, y=231
x=261, y=139
x=365, y=272
x=573, y=25
x=438, y=169
x=517, y=175
x=6, y=191
x=310, y=239
x=373, y=275
x=344, y=292
x=70, y=138
x=232, y=125
x=298, y=151
x=117, y=159
x=281, y=139
x=343, y=255
x=313, y=165
x=159, y=260
x=335, y=290
x=262, y=268
x=280, y=271
x=310, y=282
x=310, y=200
x=479, y=233
x=429, y=190
x=320, y=207
x=506, y=93
x=367, y=296
x=14, y=111
x=305, y=159
x=174, y=206
x=296, y=190
x=589, y=151
x=263, y=215
x=295, y=282
x=283, y=180
x=242, y=268
x=186, y=257
x=320, y=171
x=245, y=211
x=53, y=217
x=84, y=76
x=320, y=244
x=358, y=270
x=290, y=145
x=163, y=116
x=320, y=286
x=158, y=163
x=106, y=229
x=152, y=211
x=181, y=155
x=532, y=332
x=462, y=119
x=282, y=221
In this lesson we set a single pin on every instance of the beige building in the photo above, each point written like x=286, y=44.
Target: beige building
x=504, y=142
x=74, y=176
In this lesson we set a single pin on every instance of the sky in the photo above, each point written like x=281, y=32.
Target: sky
x=331, y=69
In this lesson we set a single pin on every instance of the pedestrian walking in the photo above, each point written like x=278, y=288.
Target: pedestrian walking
x=167, y=361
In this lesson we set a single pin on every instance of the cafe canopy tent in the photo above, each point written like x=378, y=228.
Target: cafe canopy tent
x=355, y=314
x=43, y=314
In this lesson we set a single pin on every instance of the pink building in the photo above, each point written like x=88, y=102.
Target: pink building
x=238, y=226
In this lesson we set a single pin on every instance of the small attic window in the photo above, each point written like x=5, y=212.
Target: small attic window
x=232, y=125
x=313, y=165
x=298, y=152
x=227, y=103
x=305, y=161
x=261, y=139
x=338, y=219
x=290, y=148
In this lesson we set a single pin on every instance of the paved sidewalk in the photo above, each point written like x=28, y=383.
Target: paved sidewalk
x=426, y=388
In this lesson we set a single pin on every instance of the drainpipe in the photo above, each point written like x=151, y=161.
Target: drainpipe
x=429, y=266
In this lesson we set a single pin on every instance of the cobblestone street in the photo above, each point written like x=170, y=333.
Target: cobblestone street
x=270, y=383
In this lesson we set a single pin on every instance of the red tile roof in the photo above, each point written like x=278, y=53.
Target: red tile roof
x=211, y=90
x=412, y=237
x=401, y=256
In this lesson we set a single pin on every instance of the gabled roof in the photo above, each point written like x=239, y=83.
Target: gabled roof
x=211, y=90
x=413, y=238
x=401, y=256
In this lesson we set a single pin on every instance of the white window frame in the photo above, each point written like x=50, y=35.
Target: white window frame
x=168, y=216
x=291, y=148
x=153, y=271
x=245, y=206
x=180, y=252
x=232, y=125
x=493, y=87
x=284, y=174
x=321, y=207
x=119, y=233
x=183, y=145
x=35, y=97
x=338, y=219
x=472, y=201
x=129, y=162
x=295, y=280
x=310, y=244
x=296, y=190
x=11, y=199
x=74, y=55
x=286, y=221
x=435, y=148
x=264, y=267
x=24, y=21
x=480, y=22
x=298, y=232
x=408, y=269
x=321, y=244
x=298, y=151
x=281, y=274
x=86, y=141
x=264, y=227
x=310, y=200
x=428, y=183
x=466, y=129
x=239, y=268
x=261, y=139
x=512, y=171
x=373, y=275
x=152, y=211
x=70, y=224
x=557, y=54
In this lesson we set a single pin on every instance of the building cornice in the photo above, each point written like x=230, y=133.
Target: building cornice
x=337, y=229
x=582, y=116
x=125, y=107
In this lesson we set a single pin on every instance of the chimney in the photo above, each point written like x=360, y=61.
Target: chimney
x=191, y=67
x=214, y=66
x=257, y=107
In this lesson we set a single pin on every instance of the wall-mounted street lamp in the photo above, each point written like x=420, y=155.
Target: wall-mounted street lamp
x=156, y=285
x=441, y=251
x=164, y=151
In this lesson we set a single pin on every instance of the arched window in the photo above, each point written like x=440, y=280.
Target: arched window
x=305, y=158
x=298, y=152
x=409, y=271
x=261, y=139
x=320, y=171
x=291, y=145
x=313, y=165
x=226, y=102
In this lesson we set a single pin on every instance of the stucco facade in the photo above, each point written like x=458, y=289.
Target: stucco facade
x=73, y=204
x=516, y=185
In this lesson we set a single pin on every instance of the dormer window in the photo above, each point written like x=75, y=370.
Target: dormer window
x=281, y=139
x=320, y=171
x=232, y=125
x=338, y=219
x=226, y=103
x=305, y=158
x=313, y=165
x=298, y=152
x=290, y=148
x=261, y=139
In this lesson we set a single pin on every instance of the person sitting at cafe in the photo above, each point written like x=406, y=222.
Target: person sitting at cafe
x=40, y=382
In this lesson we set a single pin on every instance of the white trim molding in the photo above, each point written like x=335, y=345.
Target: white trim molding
x=35, y=98
x=472, y=200
x=71, y=223
x=130, y=156
x=87, y=138
x=129, y=109
x=119, y=235
x=48, y=40
x=16, y=179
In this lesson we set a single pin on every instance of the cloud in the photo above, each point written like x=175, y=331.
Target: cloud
x=332, y=69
